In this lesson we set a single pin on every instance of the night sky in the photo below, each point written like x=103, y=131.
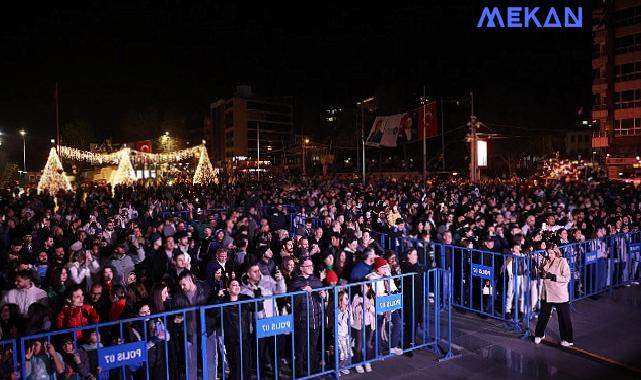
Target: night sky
x=117, y=58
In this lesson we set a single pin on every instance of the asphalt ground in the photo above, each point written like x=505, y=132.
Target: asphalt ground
x=607, y=335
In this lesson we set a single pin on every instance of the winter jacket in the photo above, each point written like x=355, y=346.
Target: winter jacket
x=360, y=271
x=307, y=307
x=267, y=287
x=555, y=282
x=24, y=298
x=357, y=312
x=77, y=316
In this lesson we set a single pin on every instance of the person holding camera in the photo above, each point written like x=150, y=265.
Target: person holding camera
x=555, y=273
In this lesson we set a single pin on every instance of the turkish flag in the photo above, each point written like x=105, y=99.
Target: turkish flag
x=143, y=146
x=427, y=118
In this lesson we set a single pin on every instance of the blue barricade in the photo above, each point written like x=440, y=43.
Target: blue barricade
x=298, y=335
x=493, y=284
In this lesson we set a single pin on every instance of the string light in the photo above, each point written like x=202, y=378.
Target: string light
x=53, y=176
x=125, y=158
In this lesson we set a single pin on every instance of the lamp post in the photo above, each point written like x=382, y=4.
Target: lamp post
x=24, y=155
x=361, y=104
x=305, y=142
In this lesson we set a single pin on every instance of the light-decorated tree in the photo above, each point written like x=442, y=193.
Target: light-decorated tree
x=125, y=172
x=204, y=171
x=53, y=176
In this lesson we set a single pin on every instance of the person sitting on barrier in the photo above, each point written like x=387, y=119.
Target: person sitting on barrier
x=383, y=288
x=307, y=318
x=257, y=285
x=41, y=361
x=555, y=272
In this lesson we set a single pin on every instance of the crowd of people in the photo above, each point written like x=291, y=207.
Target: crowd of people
x=75, y=259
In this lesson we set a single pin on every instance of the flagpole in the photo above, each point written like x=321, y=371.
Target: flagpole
x=442, y=117
x=363, y=141
x=424, y=100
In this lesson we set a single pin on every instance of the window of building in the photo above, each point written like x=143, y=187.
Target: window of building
x=625, y=127
x=628, y=71
x=279, y=108
x=628, y=43
x=628, y=16
x=627, y=99
x=598, y=101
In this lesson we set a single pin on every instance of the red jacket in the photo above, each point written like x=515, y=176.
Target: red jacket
x=77, y=316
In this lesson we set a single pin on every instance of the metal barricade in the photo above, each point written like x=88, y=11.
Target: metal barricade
x=300, y=335
x=157, y=347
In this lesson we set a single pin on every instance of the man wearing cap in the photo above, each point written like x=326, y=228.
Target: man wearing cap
x=266, y=261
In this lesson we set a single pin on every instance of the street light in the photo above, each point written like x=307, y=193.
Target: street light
x=305, y=142
x=24, y=155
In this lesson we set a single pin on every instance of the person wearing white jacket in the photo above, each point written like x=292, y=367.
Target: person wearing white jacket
x=25, y=294
x=555, y=272
x=82, y=268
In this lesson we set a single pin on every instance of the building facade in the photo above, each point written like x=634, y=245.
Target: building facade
x=616, y=83
x=248, y=125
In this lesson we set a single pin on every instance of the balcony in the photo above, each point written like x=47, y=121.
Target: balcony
x=600, y=141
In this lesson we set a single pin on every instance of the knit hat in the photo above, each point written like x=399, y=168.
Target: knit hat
x=331, y=277
x=154, y=237
x=379, y=262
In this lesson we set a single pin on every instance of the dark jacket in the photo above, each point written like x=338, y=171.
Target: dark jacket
x=193, y=317
x=360, y=270
x=307, y=307
x=414, y=288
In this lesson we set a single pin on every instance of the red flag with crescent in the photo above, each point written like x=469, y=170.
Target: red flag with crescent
x=143, y=146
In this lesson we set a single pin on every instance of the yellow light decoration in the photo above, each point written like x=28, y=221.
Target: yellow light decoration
x=125, y=172
x=164, y=158
x=204, y=171
x=93, y=158
x=124, y=158
x=53, y=176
